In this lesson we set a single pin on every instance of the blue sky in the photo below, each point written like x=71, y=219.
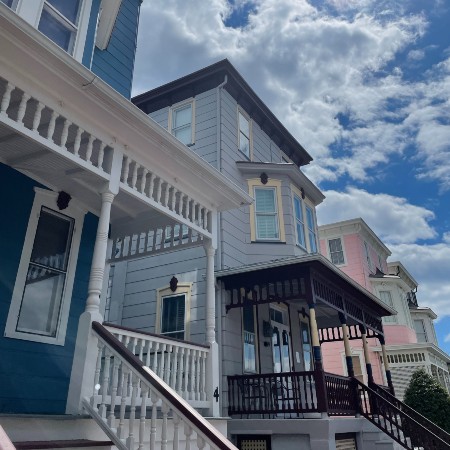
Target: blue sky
x=364, y=85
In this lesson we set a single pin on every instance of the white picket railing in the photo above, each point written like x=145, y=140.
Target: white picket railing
x=182, y=365
x=149, y=242
x=137, y=409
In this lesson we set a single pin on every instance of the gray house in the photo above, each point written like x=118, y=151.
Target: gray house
x=277, y=299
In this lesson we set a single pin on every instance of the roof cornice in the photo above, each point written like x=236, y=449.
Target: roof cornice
x=209, y=78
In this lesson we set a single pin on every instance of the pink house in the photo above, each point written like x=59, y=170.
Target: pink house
x=410, y=338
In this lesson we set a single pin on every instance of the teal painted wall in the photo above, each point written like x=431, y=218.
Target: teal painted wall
x=34, y=377
x=115, y=64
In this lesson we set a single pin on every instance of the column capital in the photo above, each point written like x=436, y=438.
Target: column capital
x=209, y=249
x=107, y=196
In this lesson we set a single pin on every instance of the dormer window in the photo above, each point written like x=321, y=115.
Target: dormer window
x=59, y=22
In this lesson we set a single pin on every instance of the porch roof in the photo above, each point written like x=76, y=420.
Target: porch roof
x=136, y=150
x=310, y=277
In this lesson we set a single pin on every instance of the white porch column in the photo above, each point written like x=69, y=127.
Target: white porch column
x=212, y=375
x=85, y=356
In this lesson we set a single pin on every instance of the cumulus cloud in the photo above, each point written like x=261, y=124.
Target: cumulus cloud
x=393, y=219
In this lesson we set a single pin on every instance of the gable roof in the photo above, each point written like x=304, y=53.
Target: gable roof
x=209, y=78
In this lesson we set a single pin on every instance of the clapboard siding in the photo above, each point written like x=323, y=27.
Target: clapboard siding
x=115, y=64
x=50, y=365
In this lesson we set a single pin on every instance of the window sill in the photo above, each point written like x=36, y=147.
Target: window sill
x=35, y=338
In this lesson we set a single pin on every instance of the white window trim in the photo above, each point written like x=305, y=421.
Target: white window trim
x=31, y=10
x=182, y=288
x=255, y=325
x=47, y=199
x=250, y=130
x=305, y=202
x=330, y=238
x=180, y=105
x=256, y=183
x=358, y=353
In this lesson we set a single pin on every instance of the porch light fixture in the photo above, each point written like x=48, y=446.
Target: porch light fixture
x=173, y=284
x=63, y=200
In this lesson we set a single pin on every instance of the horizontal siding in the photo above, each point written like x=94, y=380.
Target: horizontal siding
x=115, y=64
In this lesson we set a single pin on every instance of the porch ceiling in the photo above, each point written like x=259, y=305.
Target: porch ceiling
x=311, y=279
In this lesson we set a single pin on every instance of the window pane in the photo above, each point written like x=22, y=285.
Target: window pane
x=172, y=317
x=68, y=9
x=265, y=200
x=56, y=31
x=299, y=219
x=244, y=125
x=184, y=135
x=298, y=209
x=41, y=302
x=336, y=253
x=182, y=116
x=420, y=331
x=52, y=240
x=266, y=227
x=310, y=218
x=7, y=2
x=244, y=145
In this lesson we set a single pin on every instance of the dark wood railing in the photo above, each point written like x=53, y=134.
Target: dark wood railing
x=382, y=391
x=274, y=395
x=341, y=395
x=397, y=424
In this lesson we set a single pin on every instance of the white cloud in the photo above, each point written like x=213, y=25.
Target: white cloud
x=416, y=55
x=446, y=237
x=393, y=219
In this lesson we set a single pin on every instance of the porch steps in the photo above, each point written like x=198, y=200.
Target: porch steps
x=61, y=444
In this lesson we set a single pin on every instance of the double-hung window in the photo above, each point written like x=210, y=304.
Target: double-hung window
x=266, y=214
x=41, y=297
x=248, y=322
x=421, y=333
x=299, y=221
x=173, y=316
x=311, y=229
x=59, y=22
x=244, y=134
x=336, y=251
x=386, y=298
x=182, y=121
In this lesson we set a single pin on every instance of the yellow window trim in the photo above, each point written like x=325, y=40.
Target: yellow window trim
x=256, y=182
x=182, y=288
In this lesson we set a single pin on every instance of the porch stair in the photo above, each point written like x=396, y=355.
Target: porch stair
x=397, y=420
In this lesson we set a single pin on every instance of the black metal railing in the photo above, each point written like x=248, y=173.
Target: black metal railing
x=275, y=394
x=395, y=422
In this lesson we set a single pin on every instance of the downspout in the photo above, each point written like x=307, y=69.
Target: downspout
x=219, y=255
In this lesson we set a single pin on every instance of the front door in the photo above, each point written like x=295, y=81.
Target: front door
x=281, y=342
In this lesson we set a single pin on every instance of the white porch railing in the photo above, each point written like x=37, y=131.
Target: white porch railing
x=154, y=410
x=66, y=133
x=149, y=242
x=181, y=365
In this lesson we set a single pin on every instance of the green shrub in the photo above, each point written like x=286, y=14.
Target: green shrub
x=429, y=398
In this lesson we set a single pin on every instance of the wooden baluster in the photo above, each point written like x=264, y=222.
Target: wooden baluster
x=132, y=417
x=141, y=349
x=200, y=442
x=148, y=353
x=154, y=400
x=89, y=148
x=165, y=411
x=114, y=391
x=123, y=401
x=168, y=368
x=176, y=431
x=179, y=386
x=192, y=374
x=196, y=213
x=161, y=193
x=187, y=434
x=143, y=415
x=22, y=107
x=51, y=125
x=202, y=217
x=77, y=142
x=105, y=383
x=174, y=199
x=186, y=209
x=161, y=361
x=126, y=169
x=158, y=189
x=134, y=176
x=203, y=386
x=65, y=133
x=98, y=366
x=197, y=374
x=143, y=180
x=166, y=195
x=37, y=116
x=6, y=98
x=173, y=378
x=101, y=155
x=151, y=185
x=155, y=359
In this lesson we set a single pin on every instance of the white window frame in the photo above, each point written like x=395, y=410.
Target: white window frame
x=424, y=330
x=341, y=238
x=241, y=112
x=393, y=318
x=255, y=336
x=306, y=203
x=313, y=230
x=31, y=11
x=177, y=106
x=297, y=221
x=182, y=289
x=13, y=4
x=45, y=198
